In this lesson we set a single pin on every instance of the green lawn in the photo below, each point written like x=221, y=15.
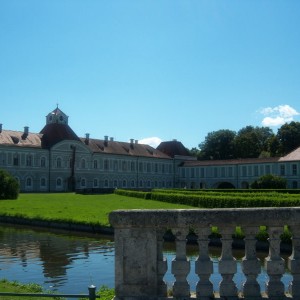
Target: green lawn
x=76, y=208
x=31, y=288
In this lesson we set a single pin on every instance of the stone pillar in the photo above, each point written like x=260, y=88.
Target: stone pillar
x=251, y=265
x=181, y=266
x=162, y=266
x=135, y=263
x=274, y=264
x=204, y=265
x=294, y=263
x=227, y=264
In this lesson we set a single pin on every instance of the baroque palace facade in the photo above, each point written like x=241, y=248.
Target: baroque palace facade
x=57, y=160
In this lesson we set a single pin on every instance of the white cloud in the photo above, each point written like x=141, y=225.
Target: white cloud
x=278, y=115
x=152, y=141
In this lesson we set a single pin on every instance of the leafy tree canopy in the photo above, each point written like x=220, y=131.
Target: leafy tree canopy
x=9, y=186
x=288, y=136
x=218, y=145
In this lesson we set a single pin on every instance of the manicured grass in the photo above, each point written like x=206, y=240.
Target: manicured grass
x=32, y=288
x=76, y=208
x=15, y=287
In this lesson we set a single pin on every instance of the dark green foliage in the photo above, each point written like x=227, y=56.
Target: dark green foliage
x=9, y=186
x=227, y=198
x=269, y=181
x=133, y=193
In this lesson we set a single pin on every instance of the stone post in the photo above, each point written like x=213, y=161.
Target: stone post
x=251, y=265
x=136, y=273
x=227, y=264
x=294, y=263
x=204, y=265
x=275, y=264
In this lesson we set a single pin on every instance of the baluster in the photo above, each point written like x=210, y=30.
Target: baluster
x=227, y=264
x=274, y=264
x=181, y=266
x=294, y=263
x=162, y=266
x=251, y=265
x=204, y=265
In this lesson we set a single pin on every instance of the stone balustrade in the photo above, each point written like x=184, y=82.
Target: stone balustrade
x=140, y=266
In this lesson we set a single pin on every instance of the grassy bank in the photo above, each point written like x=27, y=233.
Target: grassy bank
x=76, y=208
x=31, y=288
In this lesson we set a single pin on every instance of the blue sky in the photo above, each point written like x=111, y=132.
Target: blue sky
x=156, y=70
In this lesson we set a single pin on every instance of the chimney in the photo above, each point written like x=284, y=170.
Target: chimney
x=131, y=143
x=111, y=139
x=105, y=140
x=87, y=138
x=0, y=127
x=25, y=133
x=136, y=141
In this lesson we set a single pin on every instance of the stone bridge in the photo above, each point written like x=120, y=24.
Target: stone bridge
x=140, y=266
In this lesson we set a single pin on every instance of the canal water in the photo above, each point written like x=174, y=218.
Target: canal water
x=67, y=262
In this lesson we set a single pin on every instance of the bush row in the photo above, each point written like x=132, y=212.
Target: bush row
x=217, y=199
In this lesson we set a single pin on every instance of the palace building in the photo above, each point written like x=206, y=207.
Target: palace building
x=57, y=160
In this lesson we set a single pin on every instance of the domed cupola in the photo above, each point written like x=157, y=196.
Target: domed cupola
x=57, y=117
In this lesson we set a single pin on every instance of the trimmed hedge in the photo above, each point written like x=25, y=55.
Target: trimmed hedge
x=133, y=193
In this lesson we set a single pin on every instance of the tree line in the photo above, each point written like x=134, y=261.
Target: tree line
x=249, y=142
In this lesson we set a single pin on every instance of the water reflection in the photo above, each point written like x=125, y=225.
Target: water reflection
x=69, y=262
x=56, y=260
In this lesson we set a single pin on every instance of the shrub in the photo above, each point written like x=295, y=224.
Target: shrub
x=269, y=181
x=9, y=186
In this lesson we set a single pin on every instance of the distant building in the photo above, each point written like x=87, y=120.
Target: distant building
x=57, y=160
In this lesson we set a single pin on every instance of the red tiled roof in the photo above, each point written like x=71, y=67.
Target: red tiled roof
x=294, y=155
x=17, y=138
x=55, y=133
x=230, y=161
x=172, y=148
x=122, y=148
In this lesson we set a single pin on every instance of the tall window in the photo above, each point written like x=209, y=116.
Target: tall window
x=95, y=184
x=59, y=182
x=106, y=164
x=58, y=162
x=16, y=160
x=282, y=170
x=294, y=169
x=29, y=160
x=83, y=163
x=132, y=166
x=95, y=164
x=43, y=162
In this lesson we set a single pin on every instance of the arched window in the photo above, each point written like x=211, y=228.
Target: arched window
x=95, y=184
x=115, y=183
x=83, y=182
x=59, y=182
x=132, y=183
x=124, y=183
x=105, y=183
x=29, y=182
x=43, y=182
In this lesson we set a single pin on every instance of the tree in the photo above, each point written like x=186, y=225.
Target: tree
x=288, y=136
x=9, y=186
x=218, y=145
x=269, y=181
x=252, y=142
